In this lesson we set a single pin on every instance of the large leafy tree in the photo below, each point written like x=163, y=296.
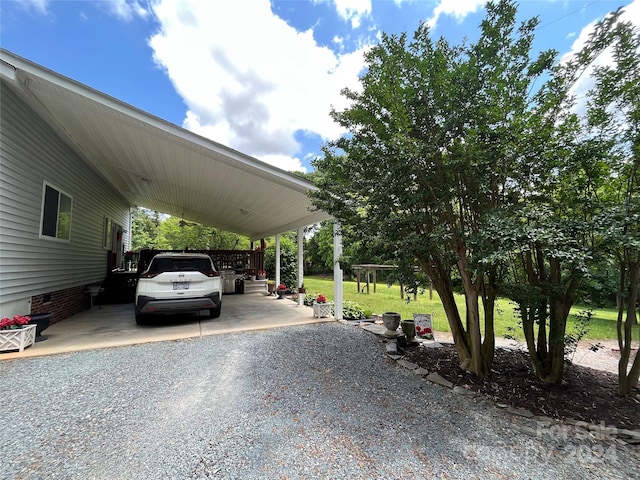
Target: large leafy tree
x=144, y=227
x=153, y=230
x=435, y=137
x=551, y=241
x=179, y=234
x=288, y=259
x=614, y=121
x=319, y=248
x=545, y=240
x=358, y=247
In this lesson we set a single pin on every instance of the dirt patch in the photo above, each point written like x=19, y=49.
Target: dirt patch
x=586, y=394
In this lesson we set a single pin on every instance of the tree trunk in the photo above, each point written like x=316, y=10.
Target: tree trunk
x=528, y=316
x=453, y=317
x=490, y=293
x=541, y=316
x=477, y=364
x=472, y=289
x=547, y=352
x=628, y=379
x=620, y=303
x=470, y=351
x=557, y=330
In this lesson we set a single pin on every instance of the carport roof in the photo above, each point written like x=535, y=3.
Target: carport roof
x=158, y=165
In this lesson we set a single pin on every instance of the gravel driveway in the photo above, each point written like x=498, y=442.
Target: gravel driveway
x=307, y=402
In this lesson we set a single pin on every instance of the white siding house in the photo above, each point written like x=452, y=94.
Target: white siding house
x=54, y=210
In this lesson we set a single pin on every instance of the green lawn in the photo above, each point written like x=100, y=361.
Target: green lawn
x=387, y=299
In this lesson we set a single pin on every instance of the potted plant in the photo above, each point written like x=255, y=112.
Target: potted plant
x=302, y=289
x=271, y=286
x=16, y=333
x=322, y=308
x=281, y=290
x=262, y=274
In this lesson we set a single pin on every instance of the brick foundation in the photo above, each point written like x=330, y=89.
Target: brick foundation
x=62, y=303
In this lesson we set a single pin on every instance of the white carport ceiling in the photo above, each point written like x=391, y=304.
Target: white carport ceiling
x=160, y=166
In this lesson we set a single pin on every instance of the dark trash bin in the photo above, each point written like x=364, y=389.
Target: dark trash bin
x=41, y=321
x=239, y=285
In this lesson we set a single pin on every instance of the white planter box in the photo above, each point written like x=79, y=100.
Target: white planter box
x=322, y=309
x=17, y=339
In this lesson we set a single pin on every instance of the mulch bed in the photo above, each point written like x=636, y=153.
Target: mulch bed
x=586, y=394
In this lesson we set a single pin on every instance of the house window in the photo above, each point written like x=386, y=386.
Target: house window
x=56, y=213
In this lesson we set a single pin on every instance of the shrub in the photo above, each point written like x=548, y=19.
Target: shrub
x=309, y=298
x=352, y=311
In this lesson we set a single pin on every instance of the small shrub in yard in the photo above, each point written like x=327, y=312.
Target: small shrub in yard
x=309, y=298
x=352, y=311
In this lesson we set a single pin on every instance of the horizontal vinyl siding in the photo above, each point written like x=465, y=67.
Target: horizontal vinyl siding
x=31, y=153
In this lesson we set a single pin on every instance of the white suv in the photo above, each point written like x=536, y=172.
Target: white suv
x=178, y=283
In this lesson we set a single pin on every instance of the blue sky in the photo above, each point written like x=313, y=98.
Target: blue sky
x=259, y=76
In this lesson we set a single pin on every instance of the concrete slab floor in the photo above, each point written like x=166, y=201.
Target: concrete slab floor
x=115, y=325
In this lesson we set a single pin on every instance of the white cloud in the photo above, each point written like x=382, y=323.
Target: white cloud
x=126, y=9
x=123, y=9
x=631, y=14
x=353, y=10
x=458, y=9
x=40, y=6
x=249, y=80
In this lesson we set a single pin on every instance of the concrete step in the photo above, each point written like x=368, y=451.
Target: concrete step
x=255, y=286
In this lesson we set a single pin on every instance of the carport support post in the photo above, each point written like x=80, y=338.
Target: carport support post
x=300, y=264
x=337, y=271
x=277, y=260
